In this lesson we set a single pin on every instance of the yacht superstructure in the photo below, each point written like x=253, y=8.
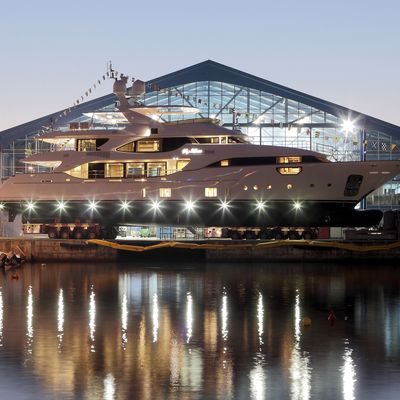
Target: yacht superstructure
x=190, y=173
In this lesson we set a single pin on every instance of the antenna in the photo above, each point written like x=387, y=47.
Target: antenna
x=110, y=68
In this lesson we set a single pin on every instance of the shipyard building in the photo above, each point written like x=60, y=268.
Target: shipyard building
x=268, y=113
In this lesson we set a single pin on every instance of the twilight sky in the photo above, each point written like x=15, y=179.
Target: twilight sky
x=345, y=51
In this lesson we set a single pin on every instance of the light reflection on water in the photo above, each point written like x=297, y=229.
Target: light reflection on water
x=224, y=317
x=92, y=320
x=300, y=370
x=60, y=318
x=155, y=317
x=260, y=319
x=109, y=387
x=258, y=379
x=348, y=373
x=219, y=331
x=189, y=317
x=29, y=323
x=124, y=321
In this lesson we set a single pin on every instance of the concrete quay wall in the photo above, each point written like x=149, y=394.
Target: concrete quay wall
x=57, y=250
x=299, y=253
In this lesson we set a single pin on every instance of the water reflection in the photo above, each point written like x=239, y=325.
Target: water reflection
x=189, y=317
x=29, y=321
x=155, y=317
x=224, y=317
x=260, y=318
x=258, y=374
x=109, y=387
x=297, y=316
x=60, y=318
x=92, y=320
x=124, y=321
x=258, y=378
x=175, y=369
x=348, y=373
x=215, y=332
x=300, y=370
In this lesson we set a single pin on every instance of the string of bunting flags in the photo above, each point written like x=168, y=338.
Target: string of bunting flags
x=111, y=74
x=372, y=144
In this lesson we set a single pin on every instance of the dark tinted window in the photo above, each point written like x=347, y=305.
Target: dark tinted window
x=247, y=161
x=353, y=185
x=96, y=171
x=100, y=142
x=170, y=144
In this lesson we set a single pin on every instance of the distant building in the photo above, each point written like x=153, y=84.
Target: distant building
x=269, y=113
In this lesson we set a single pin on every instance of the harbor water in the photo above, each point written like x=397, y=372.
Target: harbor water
x=200, y=331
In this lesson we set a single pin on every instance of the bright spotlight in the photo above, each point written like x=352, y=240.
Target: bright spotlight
x=60, y=205
x=2, y=206
x=260, y=205
x=348, y=126
x=125, y=205
x=224, y=205
x=30, y=205
x=92, y=205
x=189, y=205
x=155, y=205
x=297, y=205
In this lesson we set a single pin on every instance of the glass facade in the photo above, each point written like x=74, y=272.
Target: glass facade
x=266, y=118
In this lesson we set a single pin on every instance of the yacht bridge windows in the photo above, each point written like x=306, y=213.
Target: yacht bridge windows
x=89, y=144
x=152, y=145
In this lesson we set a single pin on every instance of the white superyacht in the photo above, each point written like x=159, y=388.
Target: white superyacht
x=189, y=173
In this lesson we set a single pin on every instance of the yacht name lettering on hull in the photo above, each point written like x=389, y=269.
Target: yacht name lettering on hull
x=194, y=150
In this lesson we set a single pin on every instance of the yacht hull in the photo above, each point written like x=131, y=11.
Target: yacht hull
x=203, y=213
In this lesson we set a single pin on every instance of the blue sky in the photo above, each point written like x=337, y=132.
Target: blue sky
x=347, y=52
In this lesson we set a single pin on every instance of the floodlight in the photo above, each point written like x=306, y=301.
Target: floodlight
x=124, y=205
x=61, y=205
x=92, y=205
x=30, y=205
x=189, y=205
x=348, y=126
x=297, y=205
